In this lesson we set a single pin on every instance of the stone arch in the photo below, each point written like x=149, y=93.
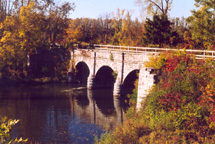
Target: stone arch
x=104, y=78
x=82, y=72
x=129, y=81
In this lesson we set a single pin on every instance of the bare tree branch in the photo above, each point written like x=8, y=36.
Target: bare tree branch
x=156, y=4
x=162, y=6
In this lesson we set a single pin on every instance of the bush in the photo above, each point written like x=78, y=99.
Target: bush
x=186, y=94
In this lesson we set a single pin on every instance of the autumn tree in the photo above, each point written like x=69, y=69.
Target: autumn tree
x=126, y=31
x=26, y=31
x=106, y=29
x=82, y=30
x=22, y=34
x=201, y=24
x=30, y=29
x=6, y=8
x=12, y=56
x=118, y=29
x=57, y=21
x=117, y=25
x=90, y=30
x=179, y=25
x=74, y=31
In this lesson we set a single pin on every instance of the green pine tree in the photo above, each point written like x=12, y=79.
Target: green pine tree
x=158, y=31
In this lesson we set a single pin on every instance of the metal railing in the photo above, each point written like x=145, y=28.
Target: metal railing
x=199, y=54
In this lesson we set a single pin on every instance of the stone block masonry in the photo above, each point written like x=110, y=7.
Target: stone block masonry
x=145, y=83
x=122, y=64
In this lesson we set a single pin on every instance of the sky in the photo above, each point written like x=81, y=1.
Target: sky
x=97, y=8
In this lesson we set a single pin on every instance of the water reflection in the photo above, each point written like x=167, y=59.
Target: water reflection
x=59, y=113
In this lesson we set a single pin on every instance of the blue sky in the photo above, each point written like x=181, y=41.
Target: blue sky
x=96, y=8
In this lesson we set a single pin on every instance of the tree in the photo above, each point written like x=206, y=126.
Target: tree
x=158, y=31
x=180, y=25
x=30, y=29
x=127, y=32
x=156, y=6
x=22, y=35
x=25, y=31
x=202, y=22
x=118, y=29
x=57, y=22
x=131, y=31
x=106, y=29
x=74, y=32
x=12, y=56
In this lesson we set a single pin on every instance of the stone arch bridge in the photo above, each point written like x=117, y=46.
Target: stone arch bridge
x=118, y=67
x=113, y=69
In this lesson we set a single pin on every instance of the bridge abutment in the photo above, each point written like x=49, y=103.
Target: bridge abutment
x=145, y=83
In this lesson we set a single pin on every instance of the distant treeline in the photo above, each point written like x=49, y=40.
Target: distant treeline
x=121, y=29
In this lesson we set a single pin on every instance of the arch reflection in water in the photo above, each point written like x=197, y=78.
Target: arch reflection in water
x=103, y=109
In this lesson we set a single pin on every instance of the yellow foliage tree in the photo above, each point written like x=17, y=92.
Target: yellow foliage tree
x=74, y=33
x=127, y=32
x=21, y=35
x=31, y=28
x=11, y=54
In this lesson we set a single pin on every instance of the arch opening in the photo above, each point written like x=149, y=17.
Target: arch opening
x=82, y=73
x=129, y=83
x=104, y=78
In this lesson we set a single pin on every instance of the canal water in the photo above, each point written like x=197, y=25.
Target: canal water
x=61, y=113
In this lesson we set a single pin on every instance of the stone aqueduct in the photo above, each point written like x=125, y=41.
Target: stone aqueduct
x=114, y=69
x=118, y=67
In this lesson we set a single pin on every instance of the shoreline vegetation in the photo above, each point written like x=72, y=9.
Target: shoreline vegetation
x=179, y=109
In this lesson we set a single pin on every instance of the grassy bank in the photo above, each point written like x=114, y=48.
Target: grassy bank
x=179, y=109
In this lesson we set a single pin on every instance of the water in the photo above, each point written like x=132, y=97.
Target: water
x=61, y=113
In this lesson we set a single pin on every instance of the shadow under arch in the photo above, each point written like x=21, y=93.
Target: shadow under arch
x=104, y=78
x=128, y=84
x=83, y=72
